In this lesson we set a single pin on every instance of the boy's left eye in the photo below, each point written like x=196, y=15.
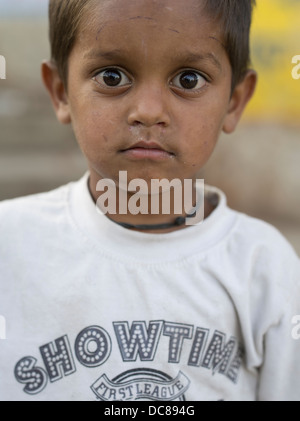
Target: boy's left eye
x=189, y=80
x=112, y=78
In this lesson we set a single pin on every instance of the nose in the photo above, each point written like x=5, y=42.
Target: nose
x=149, y=107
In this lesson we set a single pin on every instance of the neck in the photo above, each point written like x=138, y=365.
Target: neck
x=141, y=219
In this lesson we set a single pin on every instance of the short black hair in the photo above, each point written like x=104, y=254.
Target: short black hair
x=235, y=17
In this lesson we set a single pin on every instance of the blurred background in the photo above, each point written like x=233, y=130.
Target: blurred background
x=258, y=166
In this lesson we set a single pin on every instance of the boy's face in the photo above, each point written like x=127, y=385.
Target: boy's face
x=149, y=89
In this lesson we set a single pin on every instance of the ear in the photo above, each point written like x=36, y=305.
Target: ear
x=240, y=97
x=56, y=90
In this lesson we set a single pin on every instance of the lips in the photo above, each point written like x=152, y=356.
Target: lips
x=147, y=150
x=147, y=145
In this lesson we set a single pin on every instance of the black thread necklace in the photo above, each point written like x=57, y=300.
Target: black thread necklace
x=212, y=198
x=179, y=221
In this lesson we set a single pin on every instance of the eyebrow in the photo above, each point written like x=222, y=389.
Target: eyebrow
x=194, y=57
x=112, y=54
x=187, y=58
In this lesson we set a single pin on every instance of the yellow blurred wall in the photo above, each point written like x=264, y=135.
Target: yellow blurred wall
x=275, y=41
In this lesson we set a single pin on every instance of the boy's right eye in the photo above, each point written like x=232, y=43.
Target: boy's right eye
x=112, y=78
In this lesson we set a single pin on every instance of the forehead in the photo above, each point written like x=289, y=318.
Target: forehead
x=162, y=30
x=156, y=7
x=179, y=16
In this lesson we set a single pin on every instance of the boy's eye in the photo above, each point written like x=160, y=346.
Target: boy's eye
x=112, y=78
x=189, y=80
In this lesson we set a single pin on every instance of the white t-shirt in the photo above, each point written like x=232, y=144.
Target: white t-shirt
x=96, y=311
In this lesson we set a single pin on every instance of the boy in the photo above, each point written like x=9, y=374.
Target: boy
x=156, y=309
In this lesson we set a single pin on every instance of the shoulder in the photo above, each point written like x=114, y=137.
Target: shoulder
x=247, y=234
x=262, y=268
x=17, y=213
x=244, y=232
x=260, y=250
x=258, y=234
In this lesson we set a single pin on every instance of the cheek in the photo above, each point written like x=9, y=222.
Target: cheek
x=202, y=136
x=204, y=126
x=199, y=143
x=92, y=129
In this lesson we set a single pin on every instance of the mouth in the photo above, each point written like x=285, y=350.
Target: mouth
x=147, y=150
